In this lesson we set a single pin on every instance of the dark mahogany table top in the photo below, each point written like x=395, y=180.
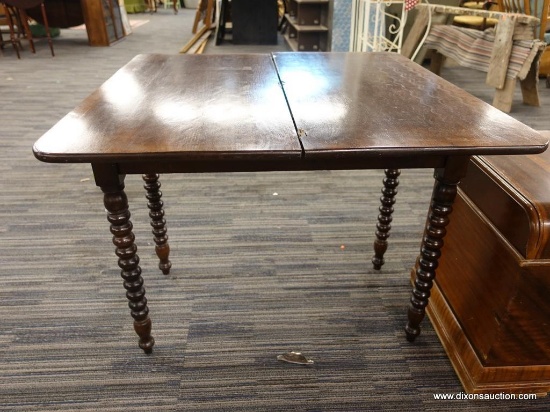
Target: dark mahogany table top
x=284, y=107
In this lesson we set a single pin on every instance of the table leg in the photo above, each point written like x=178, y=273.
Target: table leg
x=156, y=213
x=118, y=215
x=383, y=226
x=443, y=195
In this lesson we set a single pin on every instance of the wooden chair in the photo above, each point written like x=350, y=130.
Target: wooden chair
x=19, y=8
x=508, y=53
x=174, y=4
x=8, y=19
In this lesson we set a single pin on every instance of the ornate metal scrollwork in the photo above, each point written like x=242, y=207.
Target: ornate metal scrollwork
x=375, y=28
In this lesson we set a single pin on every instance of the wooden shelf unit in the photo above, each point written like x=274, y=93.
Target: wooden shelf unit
x=103, y=21
x=308, y=25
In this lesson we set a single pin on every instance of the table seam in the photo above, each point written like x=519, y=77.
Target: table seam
x=281, y=84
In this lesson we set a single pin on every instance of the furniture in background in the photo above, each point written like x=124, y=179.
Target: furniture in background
x=17, y=15
x=14, y=29
x=282, y=11
x=379, y=25
x=223, y=20
x=103, y=19
x=284, y=111
x=206, y=13
x=173, y=4
x=103, y=22
x=248, y=21
x=136, y=6
x=509, y=53
x=489, y=303
x=544, y=67
x=60, y=13
x=126, y=27
x=308, y=25
x=475, y=22
x=417, y=20
x=254, y=21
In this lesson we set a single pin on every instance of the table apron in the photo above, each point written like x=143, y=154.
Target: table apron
x=299, y=164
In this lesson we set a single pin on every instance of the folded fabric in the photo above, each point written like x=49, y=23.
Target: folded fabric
x=472, y=48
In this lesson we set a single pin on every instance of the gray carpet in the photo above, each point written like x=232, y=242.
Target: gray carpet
x=263, y=263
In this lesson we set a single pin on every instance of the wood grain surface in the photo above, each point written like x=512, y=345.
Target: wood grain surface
x=382, y=103
x=184, y=106
x=163, y=107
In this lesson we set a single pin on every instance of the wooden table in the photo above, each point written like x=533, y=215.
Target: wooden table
x=286, y=111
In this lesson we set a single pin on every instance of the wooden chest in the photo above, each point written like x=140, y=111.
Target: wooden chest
x=491, y=298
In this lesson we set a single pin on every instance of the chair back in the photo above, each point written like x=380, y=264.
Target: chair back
x=535, y=8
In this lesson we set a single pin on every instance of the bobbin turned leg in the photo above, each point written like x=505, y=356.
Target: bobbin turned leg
x=443, y=196
x=156, y=213
x=383, y=226
x=118, y=215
